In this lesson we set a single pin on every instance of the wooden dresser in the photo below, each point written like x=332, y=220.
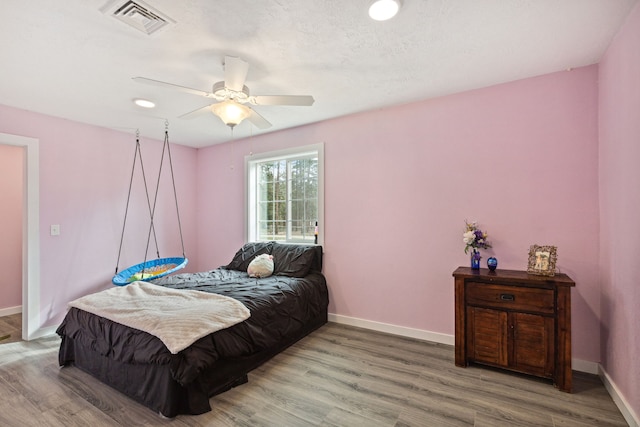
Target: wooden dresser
x=513, y=320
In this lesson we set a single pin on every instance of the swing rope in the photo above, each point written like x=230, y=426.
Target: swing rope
x=138, y=154
x=173, y=181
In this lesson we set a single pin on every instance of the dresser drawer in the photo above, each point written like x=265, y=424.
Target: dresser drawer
x=506, y=297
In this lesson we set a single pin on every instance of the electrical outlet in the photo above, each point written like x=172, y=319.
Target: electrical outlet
x=55, y=230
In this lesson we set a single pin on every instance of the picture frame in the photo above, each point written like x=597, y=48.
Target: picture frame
x=542, y=260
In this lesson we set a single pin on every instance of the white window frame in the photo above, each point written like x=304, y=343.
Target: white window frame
x=250, y=162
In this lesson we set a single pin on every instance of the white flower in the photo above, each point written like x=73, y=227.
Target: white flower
x=468, y=237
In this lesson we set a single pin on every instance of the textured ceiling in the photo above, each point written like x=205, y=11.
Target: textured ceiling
x=71, y=60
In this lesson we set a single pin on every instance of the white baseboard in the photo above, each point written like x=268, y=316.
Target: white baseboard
x=10, y=310
x=47, y=331
x=585, y=366
x=627, y=411
x=576, y=364
x=393, y=329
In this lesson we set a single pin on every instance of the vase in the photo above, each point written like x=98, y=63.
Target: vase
x=492, y=263
x=475, y=259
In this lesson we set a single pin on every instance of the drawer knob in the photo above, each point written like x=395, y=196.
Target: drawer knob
x=507, y=297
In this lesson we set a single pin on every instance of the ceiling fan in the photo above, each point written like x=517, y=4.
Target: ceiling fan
x=231, y=96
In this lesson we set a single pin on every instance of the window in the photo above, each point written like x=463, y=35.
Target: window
x=285, y=195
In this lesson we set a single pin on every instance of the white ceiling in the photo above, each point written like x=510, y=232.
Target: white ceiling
x=71, y=60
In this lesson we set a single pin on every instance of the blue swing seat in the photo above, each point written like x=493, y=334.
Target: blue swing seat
x=149, y=270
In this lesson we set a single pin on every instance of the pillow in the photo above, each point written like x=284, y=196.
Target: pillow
x=247, y=253
x=261, y=266
x=292, y=260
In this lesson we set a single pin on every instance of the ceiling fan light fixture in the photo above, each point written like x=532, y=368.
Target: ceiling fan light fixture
x=230, y=112
x=382, y=10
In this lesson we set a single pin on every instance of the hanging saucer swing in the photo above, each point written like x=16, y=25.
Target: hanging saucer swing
x=150, y=269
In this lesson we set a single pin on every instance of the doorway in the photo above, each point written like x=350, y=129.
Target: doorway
x=30, y=233
x=12, y=192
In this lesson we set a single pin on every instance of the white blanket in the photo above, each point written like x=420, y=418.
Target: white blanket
x=177, y=317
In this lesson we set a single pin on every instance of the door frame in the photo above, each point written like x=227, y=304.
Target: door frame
x=30, y=233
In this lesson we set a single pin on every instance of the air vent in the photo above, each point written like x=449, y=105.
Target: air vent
x=138, y=15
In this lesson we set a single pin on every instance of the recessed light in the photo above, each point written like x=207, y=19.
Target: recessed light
x=144, y=103
x=381, y=10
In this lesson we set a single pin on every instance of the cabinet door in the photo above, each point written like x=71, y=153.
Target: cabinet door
x=532, y=348
x=487, y=336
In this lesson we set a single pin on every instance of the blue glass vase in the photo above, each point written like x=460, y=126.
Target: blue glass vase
x=492, y=263
x=475, y=259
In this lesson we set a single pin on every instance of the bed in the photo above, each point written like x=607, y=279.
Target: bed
x=284, y=308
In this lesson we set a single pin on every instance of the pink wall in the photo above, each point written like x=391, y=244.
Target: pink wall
x=620, y=209
x=521, y=158
x=11, y=188
x=84, y=177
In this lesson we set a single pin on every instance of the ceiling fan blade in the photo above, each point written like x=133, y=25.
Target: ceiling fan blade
x=235, y=73
x=257, y=120
x=152, y=82
x=196, y=113
x=300, y=100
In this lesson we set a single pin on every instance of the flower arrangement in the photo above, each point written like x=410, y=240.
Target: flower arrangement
x=474, y=238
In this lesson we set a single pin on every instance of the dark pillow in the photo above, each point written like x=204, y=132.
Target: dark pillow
x=247, y=253
x=292, y=260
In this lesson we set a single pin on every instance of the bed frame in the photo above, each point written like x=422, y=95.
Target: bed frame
x=153, y=384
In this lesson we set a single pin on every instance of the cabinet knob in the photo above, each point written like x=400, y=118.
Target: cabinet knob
x=507, y=297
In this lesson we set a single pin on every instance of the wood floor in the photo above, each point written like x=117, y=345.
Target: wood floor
x=337, y=376
x=11, y=328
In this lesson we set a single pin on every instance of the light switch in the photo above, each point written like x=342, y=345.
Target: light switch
x=55, y=230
